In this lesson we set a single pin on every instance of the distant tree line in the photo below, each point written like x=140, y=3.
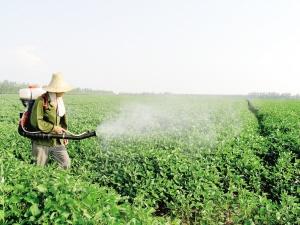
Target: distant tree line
x=272, y=95
x=90, y=91
x=10, y=87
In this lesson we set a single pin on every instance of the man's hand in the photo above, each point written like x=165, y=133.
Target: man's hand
x=66, y=141
x=58, y=130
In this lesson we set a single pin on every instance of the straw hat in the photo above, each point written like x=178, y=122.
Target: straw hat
x=57, y=84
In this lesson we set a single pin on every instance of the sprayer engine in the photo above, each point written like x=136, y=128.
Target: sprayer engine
x=28, y=97
x=30, y=94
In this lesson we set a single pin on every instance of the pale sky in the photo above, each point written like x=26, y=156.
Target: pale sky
x=206, y=47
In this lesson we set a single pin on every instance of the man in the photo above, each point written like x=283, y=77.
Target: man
x=49, y=116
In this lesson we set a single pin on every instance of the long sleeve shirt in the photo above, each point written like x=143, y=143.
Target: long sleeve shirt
x=44, y=119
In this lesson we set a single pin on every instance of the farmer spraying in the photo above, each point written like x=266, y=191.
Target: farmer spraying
x=49, y=116
x=44, y=121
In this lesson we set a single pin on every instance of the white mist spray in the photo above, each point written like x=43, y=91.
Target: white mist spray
x=135, y=120
x=200, y=123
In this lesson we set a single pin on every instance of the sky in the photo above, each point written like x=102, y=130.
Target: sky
x=190, y=46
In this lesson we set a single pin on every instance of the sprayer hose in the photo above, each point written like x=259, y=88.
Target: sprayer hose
x=47, y=136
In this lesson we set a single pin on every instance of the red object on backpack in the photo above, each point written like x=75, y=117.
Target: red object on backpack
x=25, y=117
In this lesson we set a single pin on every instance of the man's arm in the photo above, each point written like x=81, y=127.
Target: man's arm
x=63, y=122
x=37, y=117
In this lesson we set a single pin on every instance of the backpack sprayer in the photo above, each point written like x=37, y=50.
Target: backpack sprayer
x=28, y=97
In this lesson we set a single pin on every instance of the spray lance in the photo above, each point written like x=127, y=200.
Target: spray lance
x=28, y=97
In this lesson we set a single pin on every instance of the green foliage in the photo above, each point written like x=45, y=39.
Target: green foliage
x=279, y=124
x=211, y=162
x=51, y=196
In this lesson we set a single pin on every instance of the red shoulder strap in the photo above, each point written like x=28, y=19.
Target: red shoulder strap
x=45, y=101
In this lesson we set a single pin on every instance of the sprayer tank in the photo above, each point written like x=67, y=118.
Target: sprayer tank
x=30, y=93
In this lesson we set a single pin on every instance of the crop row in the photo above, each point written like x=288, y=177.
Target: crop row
x=279, y=125
x=207, y=160
x=231, y=183
x=34, y=195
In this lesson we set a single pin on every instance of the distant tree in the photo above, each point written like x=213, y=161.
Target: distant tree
x=271, y=95
x=90, y=91
x=297, y=96
x=9, y=87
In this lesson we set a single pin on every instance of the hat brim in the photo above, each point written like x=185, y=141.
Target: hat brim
x=58, y=89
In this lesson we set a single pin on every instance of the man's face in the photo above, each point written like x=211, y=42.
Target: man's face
x=59, y=94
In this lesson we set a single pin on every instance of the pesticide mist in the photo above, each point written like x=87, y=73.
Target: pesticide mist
x=196, y=123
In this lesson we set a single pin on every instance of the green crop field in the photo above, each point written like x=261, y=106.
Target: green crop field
x=162, y=159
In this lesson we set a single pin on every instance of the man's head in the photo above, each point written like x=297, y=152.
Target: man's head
x=58, y=85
